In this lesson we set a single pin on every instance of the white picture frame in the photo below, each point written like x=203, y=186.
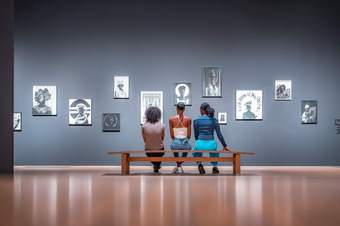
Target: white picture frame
x=222, y=118
x=249, y=105
x=44, y=100
x=17, y=121
x=148, y=99
x=80, y=112
x=121, y=87
x=283, y=90
x=183, y=93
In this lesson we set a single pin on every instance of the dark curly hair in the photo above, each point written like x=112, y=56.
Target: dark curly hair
x=153, y=114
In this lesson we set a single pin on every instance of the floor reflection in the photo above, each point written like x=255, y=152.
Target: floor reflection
x=68, y=197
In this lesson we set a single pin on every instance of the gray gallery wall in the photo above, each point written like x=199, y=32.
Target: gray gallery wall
x=79, y=45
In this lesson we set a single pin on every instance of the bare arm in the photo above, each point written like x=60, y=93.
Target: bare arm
x=189, y=128
x=172, y=135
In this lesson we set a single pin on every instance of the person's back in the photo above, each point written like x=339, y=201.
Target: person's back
x=153, y=134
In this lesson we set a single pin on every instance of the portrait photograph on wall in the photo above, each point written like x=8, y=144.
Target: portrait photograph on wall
x=249, y=105
x=211, y=82
x=17, y=121
x=44, y=101
x=80, y=112
x=222, y=118
x=150, y=99
x=121, y=87
x=283, y=90
x=111, y=122
x=182, y=93
x=309, y=110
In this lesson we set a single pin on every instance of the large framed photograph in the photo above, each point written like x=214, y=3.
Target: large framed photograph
x=17, y=121
x=283, y=90
x=222, y=118
x=182, y=93
x=111, y=122
x=249, y=105
x=80, y=112
x=44, y=101
x=121, y=87
x=309, y=111
x=150, y=99
x=211, y=81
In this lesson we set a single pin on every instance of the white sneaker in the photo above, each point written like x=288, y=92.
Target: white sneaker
x=175, y=170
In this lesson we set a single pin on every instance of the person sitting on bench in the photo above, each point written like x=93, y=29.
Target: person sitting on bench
x=180, y=132
x=153, y=132
x=204, y=127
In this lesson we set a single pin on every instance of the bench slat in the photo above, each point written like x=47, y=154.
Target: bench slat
x=180, y=159
x=180, y=151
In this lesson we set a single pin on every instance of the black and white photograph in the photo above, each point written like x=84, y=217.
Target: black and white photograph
x=211, y=81
x=182, y=93
x=17, y=121
x=222, y=118
x=121, y=87
x=283, y=90
x=151, y=99
x=309, y=110
x=111, y=122
x=80, y=112
x=337, y=125
x=249, y=105
x=44, y=101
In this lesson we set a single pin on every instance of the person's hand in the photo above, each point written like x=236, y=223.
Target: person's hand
x=226, y=149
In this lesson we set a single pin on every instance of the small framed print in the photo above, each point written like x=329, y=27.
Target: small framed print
x=121, y=87
x=249, y=105
x=17, y=121
x=309, y=112
x=211, y=82
x=80, y=112
x=111, y=122
x=182, y=93
x=222, y=118
x=283, y=90
x=44, y=101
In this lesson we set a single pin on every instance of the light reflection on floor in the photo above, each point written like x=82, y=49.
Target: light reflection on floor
x=99, y=196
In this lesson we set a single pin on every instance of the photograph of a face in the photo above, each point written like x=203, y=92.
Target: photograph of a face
x=182, y=93
x=44, y=101
x=111, y=122
x=222, y=118
x=309, y=110
x=283, y=90
x=249, y=105
x=150, y=99
x=121, y=87
x=211, y=81
x=80, y=112
x=17, y=121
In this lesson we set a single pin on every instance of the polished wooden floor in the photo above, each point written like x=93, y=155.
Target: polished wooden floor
x=82, y=196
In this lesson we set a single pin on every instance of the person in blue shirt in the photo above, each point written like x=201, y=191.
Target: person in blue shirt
x=204, y=128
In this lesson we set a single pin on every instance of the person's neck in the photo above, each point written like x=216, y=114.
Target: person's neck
x=181, y=115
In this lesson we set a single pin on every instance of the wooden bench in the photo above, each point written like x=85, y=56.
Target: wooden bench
x=232, y=156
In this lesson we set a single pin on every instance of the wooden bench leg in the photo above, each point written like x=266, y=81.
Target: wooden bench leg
x=236, y=164
x=125, y=163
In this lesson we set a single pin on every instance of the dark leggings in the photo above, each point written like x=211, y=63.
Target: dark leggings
x=156, y=154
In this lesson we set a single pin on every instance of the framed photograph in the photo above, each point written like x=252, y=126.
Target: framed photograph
x=44, y=101
x=309, y=111
x=283, y=90
x=149, y=99
x=182, y=93
x=17, y=121
x=249, y=105
x=211, y=81
x=80, y=112
x=121, y=87
x=111, y=122
x=222, y=118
